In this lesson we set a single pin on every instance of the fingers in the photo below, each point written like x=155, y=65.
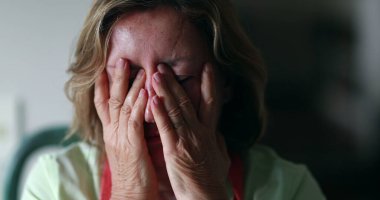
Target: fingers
x=173, y=110
x=165, y=128
x=136, y=86
x=101, y=95
x=135, y=133
x=179, y=94
x=207, y=111
x=132, y=95
x=118, y=90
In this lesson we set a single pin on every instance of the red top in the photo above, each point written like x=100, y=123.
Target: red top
x=235, y=176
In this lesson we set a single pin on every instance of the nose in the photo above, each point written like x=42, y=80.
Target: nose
x=148, y=116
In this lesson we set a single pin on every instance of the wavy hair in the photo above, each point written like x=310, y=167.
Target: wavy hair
x=243, y=118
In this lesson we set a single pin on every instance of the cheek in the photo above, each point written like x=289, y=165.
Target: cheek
x=193, y=90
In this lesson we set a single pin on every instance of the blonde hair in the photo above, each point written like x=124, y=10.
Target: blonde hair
x=243, y=118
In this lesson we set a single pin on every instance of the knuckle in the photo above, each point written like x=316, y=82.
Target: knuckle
x=128, y=100
x=115, y=126
x=126, y=109
x=98, y=102
x=165, y=128
x=179, y=124
x=134, y=124
x=174, y=112
x=115, y=103
x=184, y=101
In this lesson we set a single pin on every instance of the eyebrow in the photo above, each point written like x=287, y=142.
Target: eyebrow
x=170, y=62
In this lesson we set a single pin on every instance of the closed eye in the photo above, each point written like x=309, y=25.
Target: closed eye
x=132, y=76
x=182, y=79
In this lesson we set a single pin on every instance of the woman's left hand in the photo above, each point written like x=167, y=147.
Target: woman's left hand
x=195, y=154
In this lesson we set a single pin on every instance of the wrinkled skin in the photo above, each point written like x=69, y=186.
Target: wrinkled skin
x=159, y=100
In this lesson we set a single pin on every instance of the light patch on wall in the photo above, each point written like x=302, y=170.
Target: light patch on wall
x=11, y=129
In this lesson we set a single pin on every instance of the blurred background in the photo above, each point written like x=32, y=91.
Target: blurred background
x=323, y=94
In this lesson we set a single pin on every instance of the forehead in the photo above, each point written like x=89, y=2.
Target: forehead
x=161, y=32
x=161, y=21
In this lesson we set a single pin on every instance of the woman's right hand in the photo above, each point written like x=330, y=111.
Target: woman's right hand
x=122, y=115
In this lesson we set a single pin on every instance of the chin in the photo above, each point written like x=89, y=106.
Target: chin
x=151, y=134
x=153, y=142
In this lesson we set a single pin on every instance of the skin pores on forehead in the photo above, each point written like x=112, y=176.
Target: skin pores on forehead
x=146, y=38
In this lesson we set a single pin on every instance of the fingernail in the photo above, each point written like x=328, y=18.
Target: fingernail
x=161, y=68
x=140, y=74
x=142, y=91
x=120, y=64
x=157, y=77
x=165, y=70
x=155, y=100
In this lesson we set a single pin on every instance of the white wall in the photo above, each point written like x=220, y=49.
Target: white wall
x=37, y=38
x=36, y=41
x=367, y=21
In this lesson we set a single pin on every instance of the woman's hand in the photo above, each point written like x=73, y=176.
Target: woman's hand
x=122, y=115
x=195, y=154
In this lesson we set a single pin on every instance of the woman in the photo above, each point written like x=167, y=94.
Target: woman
x=168, y=97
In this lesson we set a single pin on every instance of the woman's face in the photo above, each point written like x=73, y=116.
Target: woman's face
x=160, y=36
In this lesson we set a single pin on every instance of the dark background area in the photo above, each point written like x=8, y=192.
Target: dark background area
x=323, y=91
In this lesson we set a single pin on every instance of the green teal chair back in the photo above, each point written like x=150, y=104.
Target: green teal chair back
x=52, y=136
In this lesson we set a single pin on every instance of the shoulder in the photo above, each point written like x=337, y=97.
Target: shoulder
x=268, y=176
x=73, y=171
